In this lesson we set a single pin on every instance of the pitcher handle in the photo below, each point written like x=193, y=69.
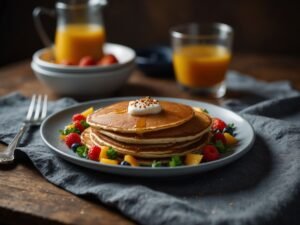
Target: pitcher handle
x=39, y=26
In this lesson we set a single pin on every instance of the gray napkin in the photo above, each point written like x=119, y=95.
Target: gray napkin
x=260, y=188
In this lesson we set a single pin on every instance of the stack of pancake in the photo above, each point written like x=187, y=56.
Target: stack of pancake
x=177, y=130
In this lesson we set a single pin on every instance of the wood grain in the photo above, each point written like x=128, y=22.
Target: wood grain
x=27, y=198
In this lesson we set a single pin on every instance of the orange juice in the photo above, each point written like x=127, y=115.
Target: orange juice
x=202, y=65
x=72, y=42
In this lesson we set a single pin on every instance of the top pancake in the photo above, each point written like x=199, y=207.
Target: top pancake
x=115, y=118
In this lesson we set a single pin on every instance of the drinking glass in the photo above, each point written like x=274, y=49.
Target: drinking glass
x=201, y=55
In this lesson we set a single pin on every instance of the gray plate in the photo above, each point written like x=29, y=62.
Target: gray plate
x=57, y=121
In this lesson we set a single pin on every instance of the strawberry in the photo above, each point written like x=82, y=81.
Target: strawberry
x=108, y=60
x=78, y=117
x=94, y=153
x=67, y=63
x=210, y=153
x=72, y=138
x=79, y=126
x=87, y=61
x=219, y=137
x=218, y=125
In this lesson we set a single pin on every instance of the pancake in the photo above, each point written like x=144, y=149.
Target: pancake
x=115, y=118
x=192, y=129
x=95, y=134
x=152, y=151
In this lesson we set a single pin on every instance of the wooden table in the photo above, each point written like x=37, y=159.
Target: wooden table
x=27, y=198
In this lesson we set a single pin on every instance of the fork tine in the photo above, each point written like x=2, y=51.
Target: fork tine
x=31, y=107
x=44, y=109
x=38, y=108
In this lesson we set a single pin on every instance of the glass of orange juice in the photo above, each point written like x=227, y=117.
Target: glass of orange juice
x=201, y=55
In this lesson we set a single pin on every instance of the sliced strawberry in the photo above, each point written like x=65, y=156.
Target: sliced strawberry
x=67, y=63
x=108, y=60
x=72, y=138
x=210, y=153
x=79, y=126
x=219, y=137
x=94, y=153
x=218, y=125
x=87, y=61
x=78, y=117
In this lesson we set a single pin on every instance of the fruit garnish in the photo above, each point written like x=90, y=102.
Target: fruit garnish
x=62, y=136
x=230, y=140
x=67, y=131
x=131, y=160
x=72, y=138
x=67, y=63
x=69, y=126
x=87, y=61
x=109, y=161
x=78, y=117
x=219, y=137
x=103, y=154
x=125, y=163
x=175, y=161
x=94, y=153
x=112, y=153
x=218, y=125
x=192, y=159
x=221, y=147
x=108, y=60
x=156, y=164
x=75, y=146
x=210, y=153
x=79, y=126
x=87, y=112
x=82, y=151
x=84, y=124
x=230, y=129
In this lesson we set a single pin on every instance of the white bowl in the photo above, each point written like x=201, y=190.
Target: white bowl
x=125, y=56
x=97, y=83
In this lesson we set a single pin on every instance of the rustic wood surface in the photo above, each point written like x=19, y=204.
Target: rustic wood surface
x=27, y=198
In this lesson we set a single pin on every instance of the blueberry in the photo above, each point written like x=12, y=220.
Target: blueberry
x=229, y=130
x=75, y=146
x=125, y=163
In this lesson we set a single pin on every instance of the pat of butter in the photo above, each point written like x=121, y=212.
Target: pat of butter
x=144, y=106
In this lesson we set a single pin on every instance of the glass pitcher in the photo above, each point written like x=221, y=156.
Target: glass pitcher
x=79, y=32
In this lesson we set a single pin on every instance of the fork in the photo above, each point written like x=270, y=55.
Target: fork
x=37, y=112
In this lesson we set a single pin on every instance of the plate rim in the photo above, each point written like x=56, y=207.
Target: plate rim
x=204, y=167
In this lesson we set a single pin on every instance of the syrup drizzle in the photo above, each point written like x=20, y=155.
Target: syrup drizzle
x=140, y=124
x=120, y=111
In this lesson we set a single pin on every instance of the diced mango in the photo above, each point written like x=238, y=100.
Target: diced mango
x=131, y=160
x=109, y=161
x=230, y=140
x=62, y=137
x=103, y=154
x=193, y=159
x=88, y=111
x=70, y=126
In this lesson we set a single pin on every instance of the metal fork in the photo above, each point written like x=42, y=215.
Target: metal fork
x=36, y=114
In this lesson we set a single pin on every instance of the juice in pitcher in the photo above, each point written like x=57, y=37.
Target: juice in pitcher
x=74, y=41
x=201, y=65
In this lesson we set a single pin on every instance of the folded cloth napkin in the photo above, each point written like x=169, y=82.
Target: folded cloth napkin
x=260, y=188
